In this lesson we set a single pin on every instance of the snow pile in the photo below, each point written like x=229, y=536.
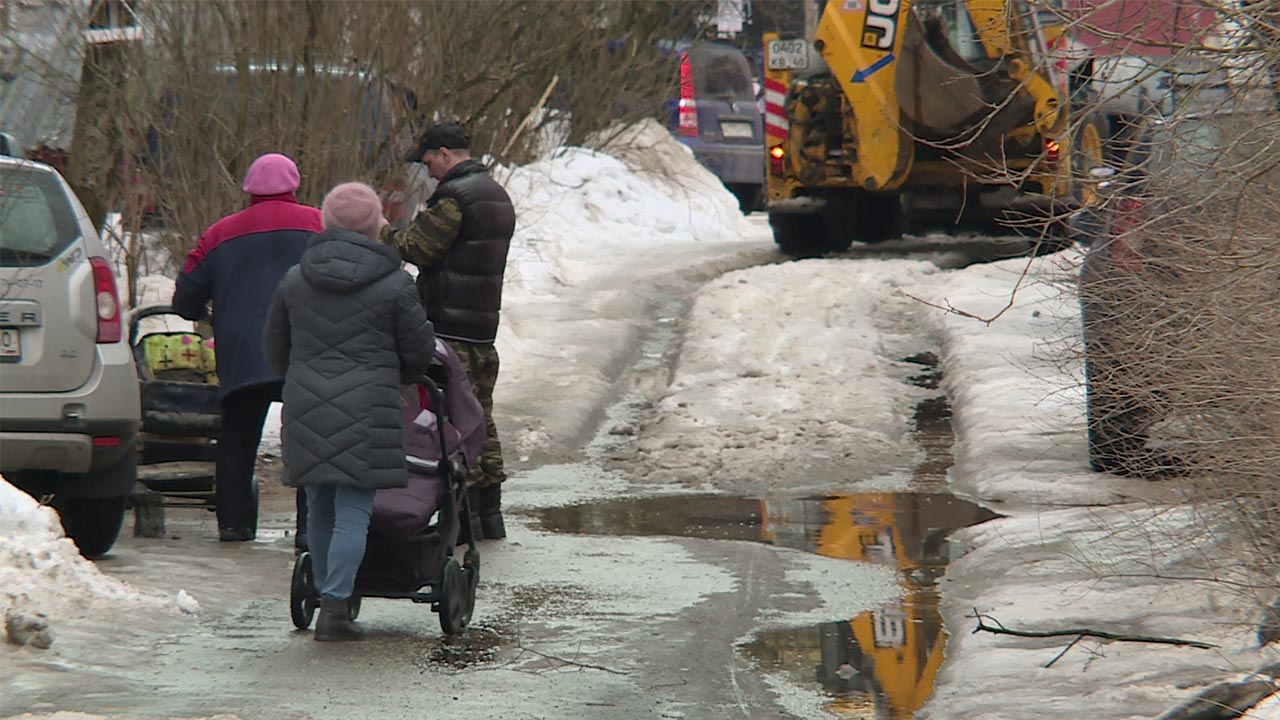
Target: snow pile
x=1079, y=549
x=577, y=208
x=40, y=569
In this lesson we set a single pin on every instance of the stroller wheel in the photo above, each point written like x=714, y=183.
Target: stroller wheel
x=471, y=569
x=353, y=607
x=302, y=593
x=454, y=609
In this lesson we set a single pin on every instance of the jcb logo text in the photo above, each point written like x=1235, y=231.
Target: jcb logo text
x=881, y=27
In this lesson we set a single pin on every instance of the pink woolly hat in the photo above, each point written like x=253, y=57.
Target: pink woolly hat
x=353, y=206
x=271, y=174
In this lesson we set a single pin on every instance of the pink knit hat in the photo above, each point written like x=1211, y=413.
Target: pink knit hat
x=353, y=206
x=271, y=174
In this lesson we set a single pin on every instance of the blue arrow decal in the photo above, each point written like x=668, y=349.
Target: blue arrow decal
x=876, y=66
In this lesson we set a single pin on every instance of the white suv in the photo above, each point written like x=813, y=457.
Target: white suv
x=69, y=409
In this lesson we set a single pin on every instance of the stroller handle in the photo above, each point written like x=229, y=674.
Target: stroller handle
x=436, y=398
x=139, y=314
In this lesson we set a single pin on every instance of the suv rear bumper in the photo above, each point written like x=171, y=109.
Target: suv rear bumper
x=738, y=164
x=70, y=447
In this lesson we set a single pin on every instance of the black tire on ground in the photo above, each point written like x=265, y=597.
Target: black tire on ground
x=799, y=235
x=92, y=523
x=881, y=217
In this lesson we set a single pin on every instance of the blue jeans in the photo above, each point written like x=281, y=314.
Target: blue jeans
x=337, y=527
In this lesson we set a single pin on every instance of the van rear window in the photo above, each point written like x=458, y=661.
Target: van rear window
x=36, y=220
x=722, y=76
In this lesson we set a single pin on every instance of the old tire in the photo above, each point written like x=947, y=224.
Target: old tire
x=93, y=524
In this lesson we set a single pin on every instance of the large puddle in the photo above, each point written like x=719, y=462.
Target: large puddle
x=880, y=664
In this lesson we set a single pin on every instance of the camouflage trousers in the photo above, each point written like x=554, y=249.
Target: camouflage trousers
x=481, y=362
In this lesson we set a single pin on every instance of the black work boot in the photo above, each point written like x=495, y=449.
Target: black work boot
x=335, y=621
x=235, y=534
x=490, y=511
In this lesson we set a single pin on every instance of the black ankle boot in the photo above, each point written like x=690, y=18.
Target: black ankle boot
x=335, y=621
x=490, y=511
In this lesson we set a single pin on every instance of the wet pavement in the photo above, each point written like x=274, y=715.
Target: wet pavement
x=881, y=663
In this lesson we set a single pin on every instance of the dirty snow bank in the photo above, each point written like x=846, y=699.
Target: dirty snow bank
x=1018, y=414
x=754, y=380
x=40, y=569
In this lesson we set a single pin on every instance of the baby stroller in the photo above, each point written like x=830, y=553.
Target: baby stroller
x=181, y=413
x=413, y=530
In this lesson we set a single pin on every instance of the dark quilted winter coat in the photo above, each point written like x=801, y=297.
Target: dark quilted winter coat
x=346, y=329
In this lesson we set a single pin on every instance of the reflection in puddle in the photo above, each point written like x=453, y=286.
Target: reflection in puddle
x=880, y=664
x=885, y=658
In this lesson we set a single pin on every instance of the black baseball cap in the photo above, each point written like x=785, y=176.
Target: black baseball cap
x=444, y=135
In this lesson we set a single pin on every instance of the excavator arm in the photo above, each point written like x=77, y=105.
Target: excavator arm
x=860, y=40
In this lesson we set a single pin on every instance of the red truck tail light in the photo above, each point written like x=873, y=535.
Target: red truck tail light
x=1052, y=151
x=107, y=301
x=776, y=155
x=688, y=117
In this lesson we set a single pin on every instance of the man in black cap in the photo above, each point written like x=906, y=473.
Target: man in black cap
x=459, y=242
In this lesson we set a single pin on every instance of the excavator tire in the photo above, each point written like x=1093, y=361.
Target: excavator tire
x=799, y=235
x=1088, y=151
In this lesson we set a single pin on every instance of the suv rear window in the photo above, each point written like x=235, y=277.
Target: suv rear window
x=721, y=75
x=36, y=221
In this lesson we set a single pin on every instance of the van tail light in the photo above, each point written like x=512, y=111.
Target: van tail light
x=688, y=118
x=110, y=328
x=776, y=155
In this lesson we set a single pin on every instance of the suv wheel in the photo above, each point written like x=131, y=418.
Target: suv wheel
x=1117, y=426
x=92, y=523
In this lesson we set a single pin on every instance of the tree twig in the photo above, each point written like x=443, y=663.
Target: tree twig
x=1000, y=629
x=1058, y=657
x=590, y=666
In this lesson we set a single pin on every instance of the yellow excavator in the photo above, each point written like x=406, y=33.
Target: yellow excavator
x=918, y=111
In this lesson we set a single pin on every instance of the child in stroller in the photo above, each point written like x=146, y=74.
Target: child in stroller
x=413, y=530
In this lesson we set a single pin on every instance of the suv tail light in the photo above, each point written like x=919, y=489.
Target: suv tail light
x=110, y=328
x=688, y=118
x=1126, y=245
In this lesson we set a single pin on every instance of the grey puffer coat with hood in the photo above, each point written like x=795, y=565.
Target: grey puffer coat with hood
x=346, y=329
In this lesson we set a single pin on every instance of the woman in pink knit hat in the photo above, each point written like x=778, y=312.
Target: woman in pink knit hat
x=346, y=330
x=237, y=265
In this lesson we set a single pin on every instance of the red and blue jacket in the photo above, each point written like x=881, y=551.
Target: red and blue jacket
x=237, y=265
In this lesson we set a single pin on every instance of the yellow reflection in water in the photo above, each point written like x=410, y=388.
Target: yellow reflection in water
x=880, y=664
